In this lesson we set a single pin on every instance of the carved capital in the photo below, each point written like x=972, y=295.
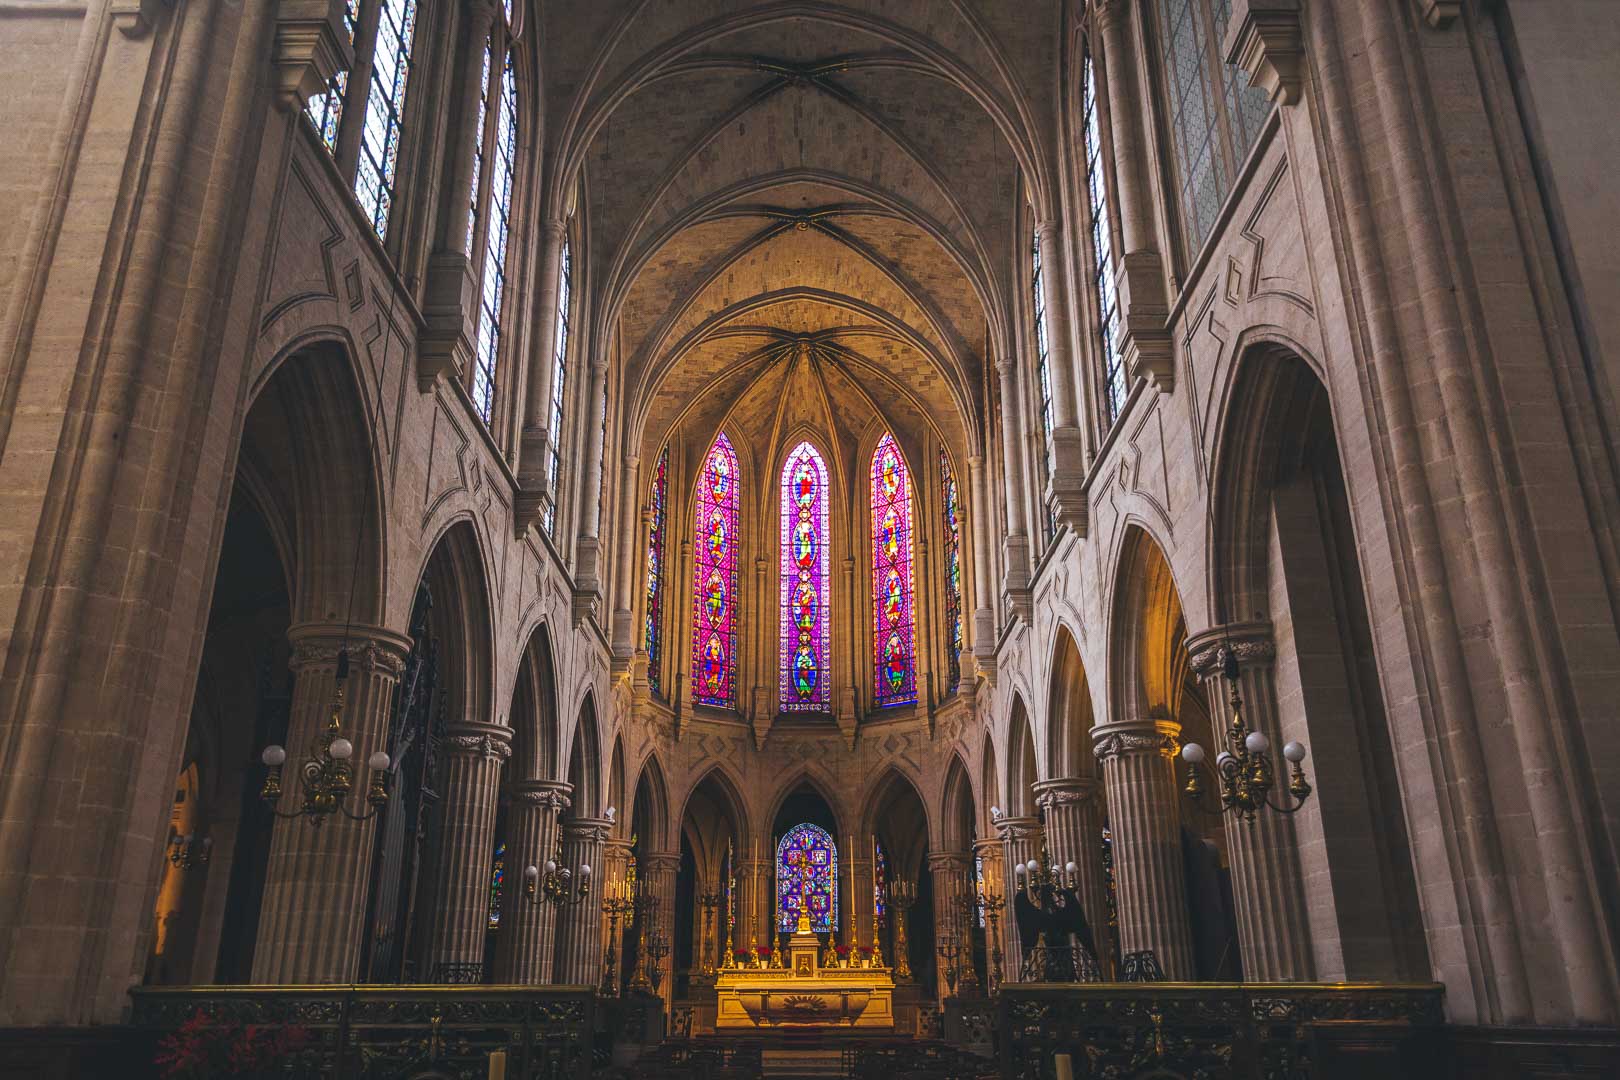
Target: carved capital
x=948, y=862
x=659, y=863
x=1250, y=643
x=1136, y=737
x=1264, y=38
x=544, y=795
x=1070, y=791
x=587, y=830
x=1018, y=828
x=310, y=48
x=371, y=648
x=490, y=741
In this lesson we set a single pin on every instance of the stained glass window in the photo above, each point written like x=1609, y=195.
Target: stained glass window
x=385, y=111
x=978, y=886
x=497, y=878
x=806, y=669
x=952, y=503
x=1215, y=115
x=880, y=883
x=652, y=637
x=559, y=377
x=714, y=579
x=325, y=109
x=499, y=219
x=1038, y=290
x=1102, y=250
x=893, y=581
x=478, y=148
x=807, y=879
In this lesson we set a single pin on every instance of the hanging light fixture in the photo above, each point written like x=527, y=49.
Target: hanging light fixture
x=325, y=776
x=555, y=884
x=1243, y=770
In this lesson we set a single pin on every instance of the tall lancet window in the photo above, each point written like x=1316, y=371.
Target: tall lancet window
x=498, y=227
x=714, y=579
x=559, y=379
x=385, y=59
x=893, y=585
x=951, y=501
x=806, y=669
x=1037, y=286
x=653, y=637
x=807, y=879
x=1102, y=250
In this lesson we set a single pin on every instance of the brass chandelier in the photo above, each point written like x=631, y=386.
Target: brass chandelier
x=1243, y=770
x=325, y=776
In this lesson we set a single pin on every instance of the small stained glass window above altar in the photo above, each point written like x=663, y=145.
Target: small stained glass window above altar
x=807, y=879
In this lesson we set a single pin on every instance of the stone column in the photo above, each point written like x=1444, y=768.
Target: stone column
x=1074, y=834
x=1144, y=302
x=537, y=439
x=579, y=952
x=984, y=614
x=473, y=753
x=987, y=851
x=1020, y=842
x=1067, y=459
x=658, y=869
x=524, y=946
x=587, y=542
x=615, y=866
x=1015, y=547
x=317, y=878
x=952, y=883
x=626, y=586
x=1149, y=882
x=1267, y=884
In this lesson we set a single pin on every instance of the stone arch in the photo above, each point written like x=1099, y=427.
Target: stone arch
x=727, y=793
x=585, y=763
x=649, y=810
x=823, y=787
x=615, y=787
x=991, y=799
x=1148, y=644
x=959, y=815
x=461, y=622
x=895, y=802
x=534, y=717
x=1068, y=714
x=1023, y=769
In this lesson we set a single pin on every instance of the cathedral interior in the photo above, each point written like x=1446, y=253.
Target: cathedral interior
x=729, y=538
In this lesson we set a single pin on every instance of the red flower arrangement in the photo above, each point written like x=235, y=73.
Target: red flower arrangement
x=866, y=950
x=764, y=952
x=204, y=1047
x=842, y=951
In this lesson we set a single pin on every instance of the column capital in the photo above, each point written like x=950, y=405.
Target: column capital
x=370, y=648
x=1018, y=828
x=945, y=862
x=553, y=795
x=1065, y=791
x=1048, y=227
x=577, y=829
x=656, y=862
x=1152, y=736
x=473, y=737
x=1252, y=644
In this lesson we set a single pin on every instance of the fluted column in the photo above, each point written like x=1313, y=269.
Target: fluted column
x=579, y=952
x=473, y=753
x=951, y=886
x=659, y=869
x=587, y=542
x=1015, y=546
x=1020, y=842
x=1267, y=884
x=984, y=613
x=625, y=586
x=1074, y=834
x=1067, y=452
x=1149, y=880
x=615, y=870
x=537, y=438
x=523, y=949
x=987, y=852
x=317, y=879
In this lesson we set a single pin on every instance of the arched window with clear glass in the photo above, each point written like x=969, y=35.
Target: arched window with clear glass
x=652, y=637
x=365, y=139
x=492, y=193
x=559, y=381
x=807, y=879
x=806, y=667
x=714, y=579
x=893, y=582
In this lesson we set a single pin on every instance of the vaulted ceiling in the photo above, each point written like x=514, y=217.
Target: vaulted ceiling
x=800, y=213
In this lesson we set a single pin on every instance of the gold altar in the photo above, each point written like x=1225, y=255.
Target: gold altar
x=799, y=991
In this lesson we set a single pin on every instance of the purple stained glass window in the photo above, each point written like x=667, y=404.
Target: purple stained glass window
x=653, y=637
x=806, y=668
x=893, y=585
x=497, y=878
x=953, y=569
x=714, y=579
x=880, y=884
x=807, y=879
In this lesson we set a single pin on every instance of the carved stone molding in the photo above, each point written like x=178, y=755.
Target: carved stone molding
x=1145, y=343
x=1136, y=737
x=370, y=648
x=489, y=740
x=662, y=862
x=547, y=795
x=1018, y=828
x=587, y=830
x=1264, y=38
x=1065, y=792
x=1251, y=643
x=311, y=47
